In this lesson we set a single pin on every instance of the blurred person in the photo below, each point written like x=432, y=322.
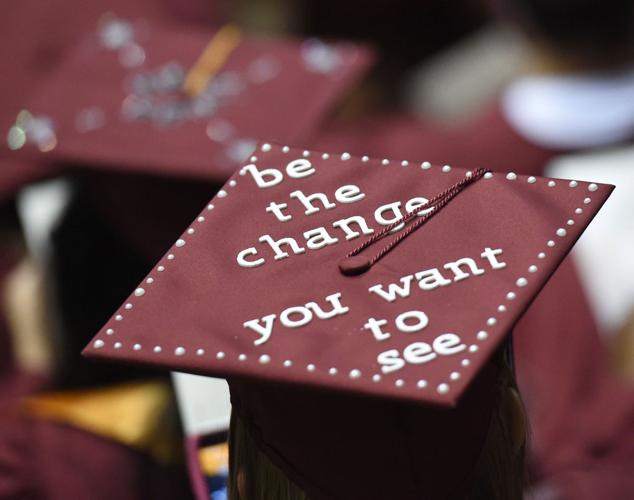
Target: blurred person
x=577, y=95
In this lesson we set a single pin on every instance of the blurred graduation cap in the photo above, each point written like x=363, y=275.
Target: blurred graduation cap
x=184, y=102
x=150, y=114
x=328, y=288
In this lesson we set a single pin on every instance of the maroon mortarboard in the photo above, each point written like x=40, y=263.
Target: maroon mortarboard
x=330, y=288
x=121, y=101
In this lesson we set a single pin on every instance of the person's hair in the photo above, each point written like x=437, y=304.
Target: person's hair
x=499, y=475
x=599, y=32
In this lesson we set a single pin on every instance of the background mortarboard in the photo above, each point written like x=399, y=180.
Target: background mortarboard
x=129, y=114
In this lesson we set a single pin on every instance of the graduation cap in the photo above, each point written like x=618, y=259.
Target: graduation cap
x=184, y=102
x=334, y=292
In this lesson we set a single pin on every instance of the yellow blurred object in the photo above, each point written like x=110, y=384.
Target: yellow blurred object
x=213, y=58
x=214, y=458
x=133, y=414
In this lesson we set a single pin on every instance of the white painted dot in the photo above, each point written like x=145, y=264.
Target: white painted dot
x=149, y=281
x=421, y=384
x=311, y=367
x=243, y=171
x=242, y=357
x=157, y=349
x=561, y=232
x=446, y=168
x=264, y=359
x=473, y=348
x=220, y=355
x=118, y=317
x=592, y=187
x=376, y=378
x=222, y=193
x=128, y=306
x=521, y=282
x=578, y=211
x=287, y=363
x=191, y=230
x=179, y=351
x=425, y=165
x=488, y=175
x=109, y=331
x=465, y=362
x=306, y=153
x=532, y=269
x=501, y=308
x=573, y=184
x=365, y=159
x=454, y=376
x=443, y=388
x=482, y=335
x=399, y=383
x=551, y=184
x=139, y=292
x=550, y=243
x=491, y=321
x=136, y=347
x=325, y=156
x=118, y=345
x=201, y=219
x=200, y=352
x=180, y=242
x=511, y=296
x=468, y=173
x=570, y=222
x=354, y=374
x=511, y=176
x=171, y=257
x=266, y=147
x=404, y=163
x=160, y=269
x=586, y=201
x=541, y=255
x=531, y=180
x=99, y=344
x=332, y=371
x=345, y=156
x=210, y=206
x=233, y=183
x=285, y=149
x=253, y=159
x=385, y=161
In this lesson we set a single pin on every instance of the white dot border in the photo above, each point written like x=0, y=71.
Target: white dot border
x=444, y=387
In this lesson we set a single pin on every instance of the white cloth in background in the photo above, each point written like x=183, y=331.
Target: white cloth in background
x=572, y=112
x=605, y=252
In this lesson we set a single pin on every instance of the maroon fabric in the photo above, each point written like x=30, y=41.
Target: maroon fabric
x=486, y=141
x=45, y=460
x=192, y=312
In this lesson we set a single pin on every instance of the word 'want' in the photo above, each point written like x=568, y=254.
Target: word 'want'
x=429, y=279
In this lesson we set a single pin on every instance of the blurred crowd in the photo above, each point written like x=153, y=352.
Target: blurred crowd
x=104, y=162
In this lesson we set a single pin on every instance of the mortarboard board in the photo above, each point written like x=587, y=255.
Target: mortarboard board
x=118, y=103
x=305, y=283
